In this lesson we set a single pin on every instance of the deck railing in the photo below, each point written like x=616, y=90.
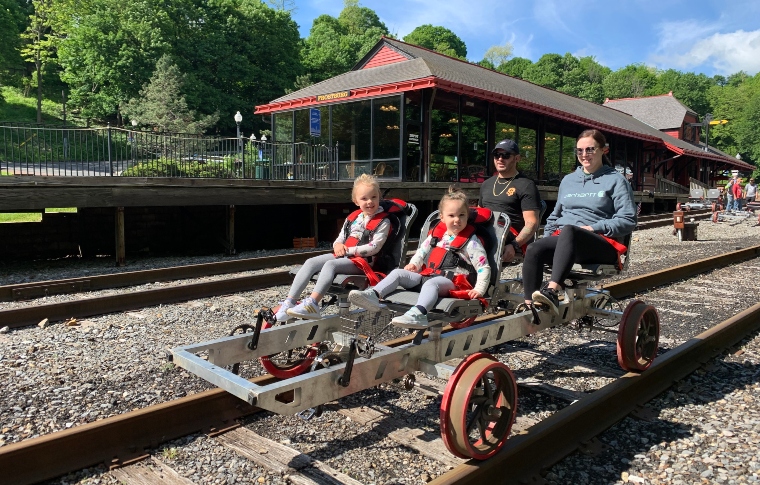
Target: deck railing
x=119, y=152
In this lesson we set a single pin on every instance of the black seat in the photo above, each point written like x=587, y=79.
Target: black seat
x=447, y=309
x=395, y=247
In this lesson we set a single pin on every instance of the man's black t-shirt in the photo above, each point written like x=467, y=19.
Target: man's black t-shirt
x=521, y=195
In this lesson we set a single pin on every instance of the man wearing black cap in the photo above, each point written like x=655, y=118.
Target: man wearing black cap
x=511, y=192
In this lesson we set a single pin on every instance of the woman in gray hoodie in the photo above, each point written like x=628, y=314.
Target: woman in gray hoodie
x=595, y=210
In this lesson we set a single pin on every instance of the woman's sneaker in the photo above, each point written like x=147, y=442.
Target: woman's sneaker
x=413, y=319
x=281, y=314
x=307, y=309
x=548, y=297
x=366, y=299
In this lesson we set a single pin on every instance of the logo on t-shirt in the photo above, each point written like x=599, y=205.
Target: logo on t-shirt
x=511, y=192
x=600, y=194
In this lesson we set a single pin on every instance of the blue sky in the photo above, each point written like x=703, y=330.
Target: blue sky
x=707, y=36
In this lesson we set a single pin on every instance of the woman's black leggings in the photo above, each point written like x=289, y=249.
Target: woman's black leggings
x=572, y=245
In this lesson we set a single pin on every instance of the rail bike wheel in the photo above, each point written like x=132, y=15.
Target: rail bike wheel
x=479, y=407
x=638, y=336
x=240, y=329
x=289, y=363
x=463, y=323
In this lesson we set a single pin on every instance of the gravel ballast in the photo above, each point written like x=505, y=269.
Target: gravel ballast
x=65, y=375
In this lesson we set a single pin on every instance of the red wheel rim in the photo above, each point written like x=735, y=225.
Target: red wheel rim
x=478, y=408
x=284, y=365
x=638, y=336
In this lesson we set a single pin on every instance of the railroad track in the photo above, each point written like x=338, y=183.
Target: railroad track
x=215, y=411
x=37, y=289
x=86, y=307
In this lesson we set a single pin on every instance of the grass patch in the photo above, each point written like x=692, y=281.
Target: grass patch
x=32, y=216
x=61, y=209
x=18, y=108
x=20, y=217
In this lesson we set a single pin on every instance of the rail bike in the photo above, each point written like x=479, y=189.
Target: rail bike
x=319, y=361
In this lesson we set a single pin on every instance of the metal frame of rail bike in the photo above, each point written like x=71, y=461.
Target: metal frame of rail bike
x=479, y=404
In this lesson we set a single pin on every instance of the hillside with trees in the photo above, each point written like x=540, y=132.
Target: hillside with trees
x=108, y=55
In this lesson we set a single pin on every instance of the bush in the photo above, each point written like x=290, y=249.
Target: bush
x=163, y=167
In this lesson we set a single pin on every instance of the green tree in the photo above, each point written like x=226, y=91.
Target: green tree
x=631, y=81
x=162, y=106
x=689, y=88
x=335, y=45
x=12, y=24
x=439, y=39
x=497, y=55
x=515, y=67
x=40, y=44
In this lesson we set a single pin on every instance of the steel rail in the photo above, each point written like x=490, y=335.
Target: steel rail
x=140, y=299
x=119, y=439
x=100, y=305
x=638, y=284
x=23, y=291
x=36, y=289
x=556, y=437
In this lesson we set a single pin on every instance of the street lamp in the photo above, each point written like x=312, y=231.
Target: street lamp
x=134, y=141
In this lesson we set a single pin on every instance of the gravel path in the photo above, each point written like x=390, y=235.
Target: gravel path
x=62, y=376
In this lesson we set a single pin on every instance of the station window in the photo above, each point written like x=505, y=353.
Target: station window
x=386, y=139
x=283, y=127
x=351, y=130
x=552, y=159
x=528, y=149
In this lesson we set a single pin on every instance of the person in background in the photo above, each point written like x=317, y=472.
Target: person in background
x=729, y=195
x=513, y=193
x=750, y=191
x=737, y=192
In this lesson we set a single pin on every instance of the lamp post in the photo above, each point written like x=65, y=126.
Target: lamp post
x=238, y=120
x=134, y=141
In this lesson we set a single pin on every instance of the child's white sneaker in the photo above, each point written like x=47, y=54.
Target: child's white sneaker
x=366, y=299
x=413, y=319
x=307, y=309
x=281, y=314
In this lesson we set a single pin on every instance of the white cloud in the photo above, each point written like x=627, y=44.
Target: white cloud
x=727, y=53
x=694, y=44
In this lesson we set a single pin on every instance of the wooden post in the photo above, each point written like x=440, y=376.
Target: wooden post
x=120, y=244
x=230, y=230
x=315, y=223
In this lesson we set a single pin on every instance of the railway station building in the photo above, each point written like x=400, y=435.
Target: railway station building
x=409, y=114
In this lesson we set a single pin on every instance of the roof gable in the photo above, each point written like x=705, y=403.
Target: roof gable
x=385, y=55
x=663, y=112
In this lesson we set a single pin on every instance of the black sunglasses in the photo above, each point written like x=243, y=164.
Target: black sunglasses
x=505, y=156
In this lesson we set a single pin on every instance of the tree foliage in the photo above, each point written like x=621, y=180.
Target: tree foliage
x=335, y=45
x=12, y=24
x=497, y=55
x=439, y=39
x=161, y=104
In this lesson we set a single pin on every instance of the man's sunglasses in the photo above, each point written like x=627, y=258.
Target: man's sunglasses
x=505, y=156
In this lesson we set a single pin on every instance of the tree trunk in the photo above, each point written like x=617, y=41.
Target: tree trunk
x=38, y=65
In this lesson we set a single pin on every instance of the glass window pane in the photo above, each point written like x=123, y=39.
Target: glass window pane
x=527, y=144
x=387, y=133
x=283, y=127
x=443, y=145
x=351, y=130
x=474, y=145
x=551, y=159
x=569, y=160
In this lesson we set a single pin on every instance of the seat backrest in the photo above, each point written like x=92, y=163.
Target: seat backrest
x=401, y=215
x=697, y=193
x=493, y=235
x=713, y=194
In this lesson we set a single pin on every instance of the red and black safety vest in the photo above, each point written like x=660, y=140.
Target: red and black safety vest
x=442, y=261
x=390, y=206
